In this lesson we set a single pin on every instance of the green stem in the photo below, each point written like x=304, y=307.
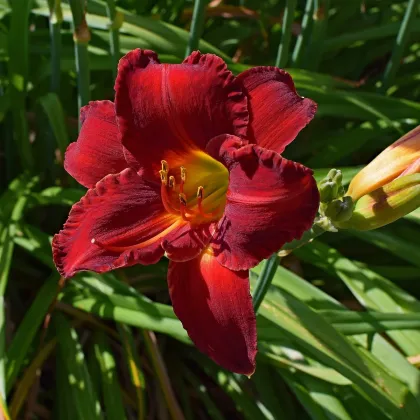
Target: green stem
x=264, y=281
x=283, y=51
x=196, y=26
x=308, y=236
x=81, y=38
x=302, y=39
x=114, y=37
x=18, y=76
x=319, y=30
x=397, y=53
x=56, y=18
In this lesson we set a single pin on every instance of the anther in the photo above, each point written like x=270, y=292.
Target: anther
x=165, y=166
x=171, y=181
x=182, y=199
x=200, y=192
x=183, y=173
x=163, y=176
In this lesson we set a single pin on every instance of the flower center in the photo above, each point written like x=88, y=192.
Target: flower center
x=194, y=187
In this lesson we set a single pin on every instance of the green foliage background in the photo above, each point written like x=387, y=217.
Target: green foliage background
x=339, y=327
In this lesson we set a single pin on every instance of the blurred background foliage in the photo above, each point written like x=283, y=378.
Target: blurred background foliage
x=339, y=328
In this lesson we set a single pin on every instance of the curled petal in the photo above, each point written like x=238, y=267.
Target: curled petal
x=98, y=150
x=175, y=107
x=215, y=307
x=270, y=201
x=388, y=165
x=277, y=112
x=119, y=223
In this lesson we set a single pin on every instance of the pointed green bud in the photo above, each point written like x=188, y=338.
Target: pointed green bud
x=326, y=191
x=330, y=187
x=385, y=204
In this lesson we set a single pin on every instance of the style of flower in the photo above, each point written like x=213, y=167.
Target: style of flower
x=187, y=163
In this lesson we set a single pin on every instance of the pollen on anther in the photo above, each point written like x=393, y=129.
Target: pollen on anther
x=171, y=181
x=165, y=166
x=183, y=173
x=163, y=176
x=183, y=199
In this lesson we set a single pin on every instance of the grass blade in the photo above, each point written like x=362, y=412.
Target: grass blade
x=18, y=76
x=197, y=24
x=81, y=39
x=264, y=281
x=286, y=34
x=162, y=375
x=111, y=389
x=28, y=328
x=400, y=45
x=134, y=367
x=78, y=379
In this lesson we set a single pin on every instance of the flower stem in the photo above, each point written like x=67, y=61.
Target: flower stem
x=18, y=66
x=397, y=53
x=315, y=231
x=196, y=26
x=114, y=38
x=283, y=51
x=81, y=38
x=302, y=39
x=56, y=18
x=264, y=280
x=319, y=30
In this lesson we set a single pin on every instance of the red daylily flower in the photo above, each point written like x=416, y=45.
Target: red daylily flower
x=187, y=162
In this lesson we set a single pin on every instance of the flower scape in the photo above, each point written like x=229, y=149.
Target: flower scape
x=186, y=163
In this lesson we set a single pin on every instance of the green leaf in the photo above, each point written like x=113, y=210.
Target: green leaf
x=111, y=388
x=28, y=328
x=52, y=107
x=77, y=377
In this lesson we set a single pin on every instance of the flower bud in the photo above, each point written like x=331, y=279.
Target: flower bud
x=339, y=210
x=388, y=165
x=386, y=204
x=330, y=187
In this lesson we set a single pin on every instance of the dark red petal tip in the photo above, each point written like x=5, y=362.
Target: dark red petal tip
x=98, y=150
x=215, y=307
x=270, y=201
x=277, y=112
x=175, y=107
x=236, y=100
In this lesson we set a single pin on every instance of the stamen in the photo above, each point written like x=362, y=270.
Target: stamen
x=182, y=199
x=171, y=181
x=165, y=166
x=163, y=177
x=200, y=193
x=166, y=200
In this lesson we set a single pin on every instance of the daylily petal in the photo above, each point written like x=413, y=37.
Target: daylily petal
x=126, y=220
x=176, y=107
x=188, y=241
x=215, y=307
x=98, y=150
x=270, y=201
x=277, y=113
